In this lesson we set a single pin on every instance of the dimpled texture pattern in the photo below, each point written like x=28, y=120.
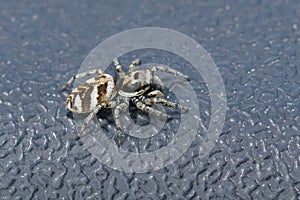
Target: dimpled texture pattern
x=255, y=45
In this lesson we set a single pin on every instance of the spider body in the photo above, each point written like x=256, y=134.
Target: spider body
x=136, y=86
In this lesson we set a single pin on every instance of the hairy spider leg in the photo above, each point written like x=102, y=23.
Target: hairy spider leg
x=120, y=108
x=81, y=75
x=134, y=63
x=168, y=70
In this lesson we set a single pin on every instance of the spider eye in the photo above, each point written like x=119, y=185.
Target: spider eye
x=136, y=76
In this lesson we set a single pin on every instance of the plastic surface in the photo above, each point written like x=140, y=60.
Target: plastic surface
x=256, y=47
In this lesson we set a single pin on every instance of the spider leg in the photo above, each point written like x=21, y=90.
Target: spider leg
x=158, y=100
x=168, y=70
x=132, y=94
x=140, y=105
x=119, y=68
x=121, y=107
x=89, y=118
x=159, y=81
x=134, y=63
x=81, y=75
x=156, y=93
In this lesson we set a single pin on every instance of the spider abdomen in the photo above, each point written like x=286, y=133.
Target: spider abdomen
x=91, y=93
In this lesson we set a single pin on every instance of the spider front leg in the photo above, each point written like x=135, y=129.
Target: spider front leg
x=81, y=75
x=168, y=70
x=121, y=107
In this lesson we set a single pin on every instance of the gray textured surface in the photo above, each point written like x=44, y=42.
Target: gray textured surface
x=255, y=45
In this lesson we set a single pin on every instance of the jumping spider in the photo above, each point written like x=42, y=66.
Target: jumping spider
x=135, y=86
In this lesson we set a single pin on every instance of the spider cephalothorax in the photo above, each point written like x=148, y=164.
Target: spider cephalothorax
x=136, y=86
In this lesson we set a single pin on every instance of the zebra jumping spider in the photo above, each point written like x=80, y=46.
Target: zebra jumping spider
x=135, y=86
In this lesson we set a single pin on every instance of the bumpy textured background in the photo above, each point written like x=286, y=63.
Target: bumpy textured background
x=255, y=44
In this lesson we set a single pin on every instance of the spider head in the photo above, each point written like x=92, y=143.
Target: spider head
x=133, y=81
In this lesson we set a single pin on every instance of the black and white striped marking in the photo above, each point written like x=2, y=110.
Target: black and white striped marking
x=91, y=93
